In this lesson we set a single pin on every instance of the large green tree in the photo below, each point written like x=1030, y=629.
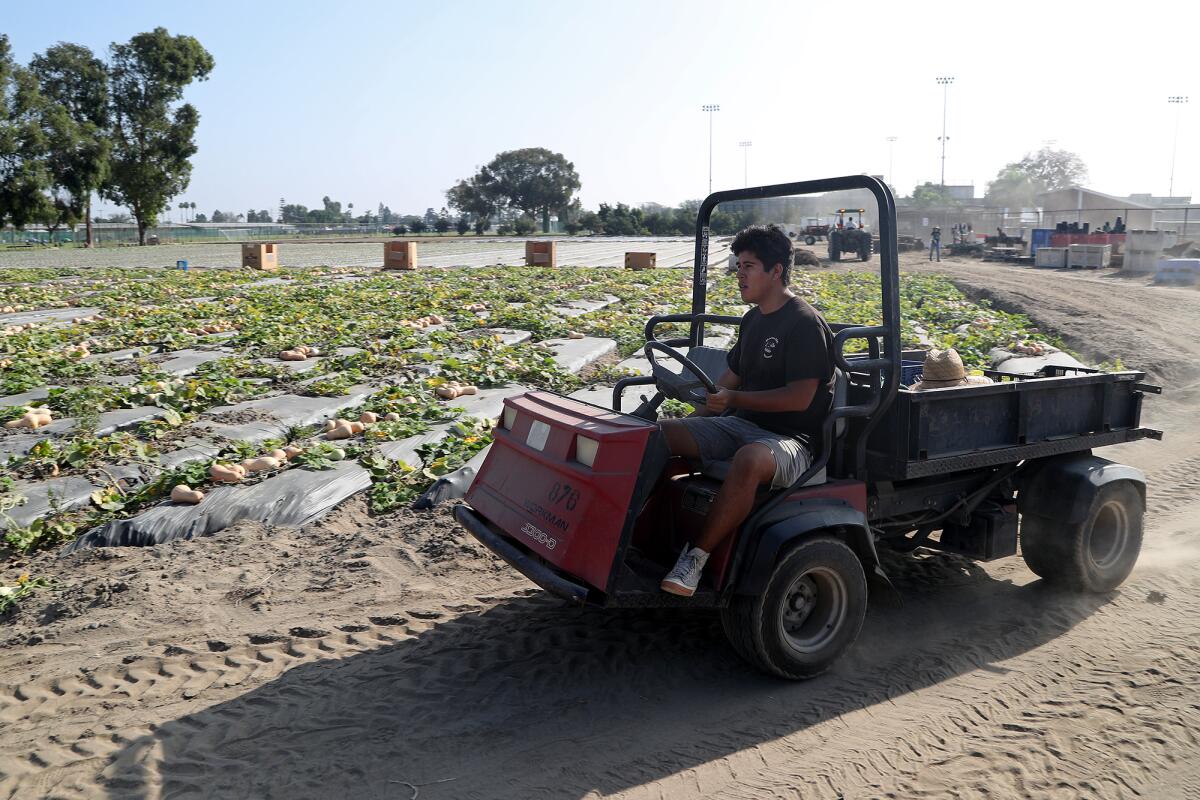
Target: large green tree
x=293, y=212
x=74, y=84
x=1018, y=183
x=153, y=135
x=532, y=180
x=931, y=195
x=473, y=197
x=23, y=148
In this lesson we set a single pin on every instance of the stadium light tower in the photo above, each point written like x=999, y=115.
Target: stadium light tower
x=891, y=159
x=745, y=163
x=1179, y=101
x=944, y=82
x=710, y=108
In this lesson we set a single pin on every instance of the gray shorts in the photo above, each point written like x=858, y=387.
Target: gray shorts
x=718, y=438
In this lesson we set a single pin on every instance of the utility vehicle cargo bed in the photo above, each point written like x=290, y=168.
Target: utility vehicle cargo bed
x=940, y=431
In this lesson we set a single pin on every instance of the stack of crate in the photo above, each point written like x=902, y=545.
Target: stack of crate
x=1089, y=256
x=541, y=254
x=640, y=260
x=1143, y=249
x=1050, y=257
x=260, y=256
x=399, y=254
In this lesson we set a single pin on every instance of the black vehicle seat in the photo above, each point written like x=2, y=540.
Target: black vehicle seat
x=719, y=470
x=713, y=360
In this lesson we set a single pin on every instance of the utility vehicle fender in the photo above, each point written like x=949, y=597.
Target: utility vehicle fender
x=830, y=517
x=1062, y=488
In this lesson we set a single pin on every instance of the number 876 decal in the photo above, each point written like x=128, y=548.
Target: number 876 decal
x=563, y=494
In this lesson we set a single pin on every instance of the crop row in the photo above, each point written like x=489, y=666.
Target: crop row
x=371, y=315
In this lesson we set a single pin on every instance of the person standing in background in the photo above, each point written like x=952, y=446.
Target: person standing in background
x=935, y=243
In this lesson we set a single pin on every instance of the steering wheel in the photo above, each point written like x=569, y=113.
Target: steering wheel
x=675, y=385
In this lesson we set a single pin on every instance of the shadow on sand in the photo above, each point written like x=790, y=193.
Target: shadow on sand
x=531, y=699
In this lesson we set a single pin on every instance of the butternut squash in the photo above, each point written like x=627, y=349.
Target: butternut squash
x=227, y=473
x=184, y=494
x=260, y=464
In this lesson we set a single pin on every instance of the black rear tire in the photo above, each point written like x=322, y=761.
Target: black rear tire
x=835, y=254
x=810, y=613
x=1094, y=555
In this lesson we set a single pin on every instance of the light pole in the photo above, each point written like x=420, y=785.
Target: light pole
x=745, y=163
x=945, y=82
x=710, y=108
x=1179, y=101
x=891, y=159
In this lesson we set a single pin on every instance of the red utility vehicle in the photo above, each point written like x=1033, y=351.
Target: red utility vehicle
x=587, y=503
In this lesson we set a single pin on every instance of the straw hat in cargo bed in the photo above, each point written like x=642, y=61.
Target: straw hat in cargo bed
x=944, y=369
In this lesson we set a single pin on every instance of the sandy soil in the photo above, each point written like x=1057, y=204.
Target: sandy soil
x=389, y=658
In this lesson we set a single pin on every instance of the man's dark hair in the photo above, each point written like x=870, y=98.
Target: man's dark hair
x=769, y=244
x=806, y=258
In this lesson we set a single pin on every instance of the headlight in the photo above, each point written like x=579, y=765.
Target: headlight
x=585, y=450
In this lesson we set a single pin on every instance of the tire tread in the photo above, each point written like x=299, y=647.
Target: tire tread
x=745, y=621
x=1058, y=551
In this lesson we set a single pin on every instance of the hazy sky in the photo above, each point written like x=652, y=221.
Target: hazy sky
x=394, y=101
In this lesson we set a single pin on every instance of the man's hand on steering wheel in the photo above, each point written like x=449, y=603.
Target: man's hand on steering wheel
x=719, y=401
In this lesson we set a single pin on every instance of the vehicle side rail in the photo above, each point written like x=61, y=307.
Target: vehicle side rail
x=873, y=364
x=633, y=380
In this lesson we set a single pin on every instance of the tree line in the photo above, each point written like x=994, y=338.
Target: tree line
x=73, y=125
x=524, y=187
x=1017, y=184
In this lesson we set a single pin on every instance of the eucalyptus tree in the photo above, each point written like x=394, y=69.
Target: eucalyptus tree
x=74, y=84
x=152, y=131
x=24, y=174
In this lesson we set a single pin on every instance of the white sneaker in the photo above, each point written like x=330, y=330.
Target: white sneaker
x=683, y=579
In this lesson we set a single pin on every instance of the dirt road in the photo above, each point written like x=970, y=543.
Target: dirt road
x=381, y=658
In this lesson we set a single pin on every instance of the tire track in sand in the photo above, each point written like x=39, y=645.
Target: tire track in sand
x=966, y=698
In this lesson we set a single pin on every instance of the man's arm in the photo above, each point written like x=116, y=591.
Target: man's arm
x=728, y=381
x=796, y=396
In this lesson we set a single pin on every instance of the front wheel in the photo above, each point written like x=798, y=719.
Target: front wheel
x=811, y=612
x=1094, y=555
x=810, y=240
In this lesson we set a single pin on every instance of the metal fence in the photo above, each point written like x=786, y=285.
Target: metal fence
x=1184, y=220
x=108, y=234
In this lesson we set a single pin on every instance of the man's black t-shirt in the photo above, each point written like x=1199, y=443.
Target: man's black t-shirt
x=791, y=343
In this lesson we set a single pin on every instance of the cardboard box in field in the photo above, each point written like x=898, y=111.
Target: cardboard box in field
x=541, y=254
x=399, y=254
x=640, y=260
x=261, y=256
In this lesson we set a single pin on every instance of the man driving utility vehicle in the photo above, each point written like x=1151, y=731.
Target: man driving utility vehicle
x=770, y=402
